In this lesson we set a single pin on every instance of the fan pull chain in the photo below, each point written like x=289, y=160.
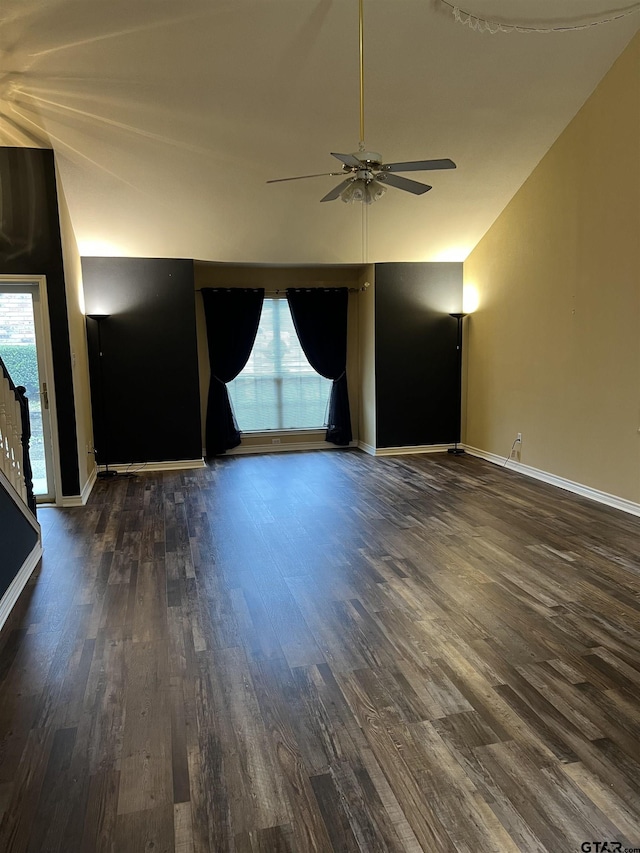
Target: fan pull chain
x=365, y=233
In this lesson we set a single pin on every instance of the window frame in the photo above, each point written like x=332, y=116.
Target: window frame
x=279, y=431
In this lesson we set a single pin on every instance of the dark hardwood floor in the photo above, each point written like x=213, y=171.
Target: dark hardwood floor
x=325, y=651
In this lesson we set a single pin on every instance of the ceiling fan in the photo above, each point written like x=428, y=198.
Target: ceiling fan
x=366, y=177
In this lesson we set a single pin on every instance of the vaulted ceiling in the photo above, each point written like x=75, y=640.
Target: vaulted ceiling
x=168, y=117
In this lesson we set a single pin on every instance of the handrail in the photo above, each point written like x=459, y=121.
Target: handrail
x=15, y=435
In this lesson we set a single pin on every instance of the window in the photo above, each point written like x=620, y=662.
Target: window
x=278, y=388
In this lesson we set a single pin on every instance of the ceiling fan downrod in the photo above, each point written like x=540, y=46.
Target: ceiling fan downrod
x=361, y=41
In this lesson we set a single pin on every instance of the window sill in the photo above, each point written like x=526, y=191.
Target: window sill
x=274, y=433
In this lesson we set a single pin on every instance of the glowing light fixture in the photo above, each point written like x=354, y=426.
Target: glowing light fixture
x=360, y=189
x=470, y=298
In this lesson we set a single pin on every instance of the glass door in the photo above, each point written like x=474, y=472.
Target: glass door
x=22, y=350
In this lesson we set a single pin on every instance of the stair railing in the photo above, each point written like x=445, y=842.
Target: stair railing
x=15, y=435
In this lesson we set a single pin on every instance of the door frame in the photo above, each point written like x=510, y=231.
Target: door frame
x=46, y=354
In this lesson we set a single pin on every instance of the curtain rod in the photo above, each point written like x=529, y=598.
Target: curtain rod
x=284, y=289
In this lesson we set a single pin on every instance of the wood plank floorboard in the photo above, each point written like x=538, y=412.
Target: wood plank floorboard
x=325, y=652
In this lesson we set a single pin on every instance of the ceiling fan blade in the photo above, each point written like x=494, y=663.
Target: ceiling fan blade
x=419, y=166
x=348, y=160
x=335, y=192
x=401, y=183
x=302, y=177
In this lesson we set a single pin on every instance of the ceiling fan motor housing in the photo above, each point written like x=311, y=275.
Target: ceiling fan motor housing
x=371, y=158
x=365, y=175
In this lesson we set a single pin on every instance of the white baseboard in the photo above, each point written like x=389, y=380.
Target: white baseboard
x=279, y=448
x=368, y=448
x=171, y=465
x=83, y=497
x=16, y=586
x=403, y=451
x=561, y=482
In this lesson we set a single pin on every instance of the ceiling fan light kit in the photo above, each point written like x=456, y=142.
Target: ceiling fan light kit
x=369, y=176
x=362, y=191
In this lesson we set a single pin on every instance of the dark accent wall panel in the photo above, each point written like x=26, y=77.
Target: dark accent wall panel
x=150, y=361
x=17, y=540
x=417, y=381
x=30, y=244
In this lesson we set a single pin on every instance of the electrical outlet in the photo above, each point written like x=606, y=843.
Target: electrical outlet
x=516, y=448
x=275, y=441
